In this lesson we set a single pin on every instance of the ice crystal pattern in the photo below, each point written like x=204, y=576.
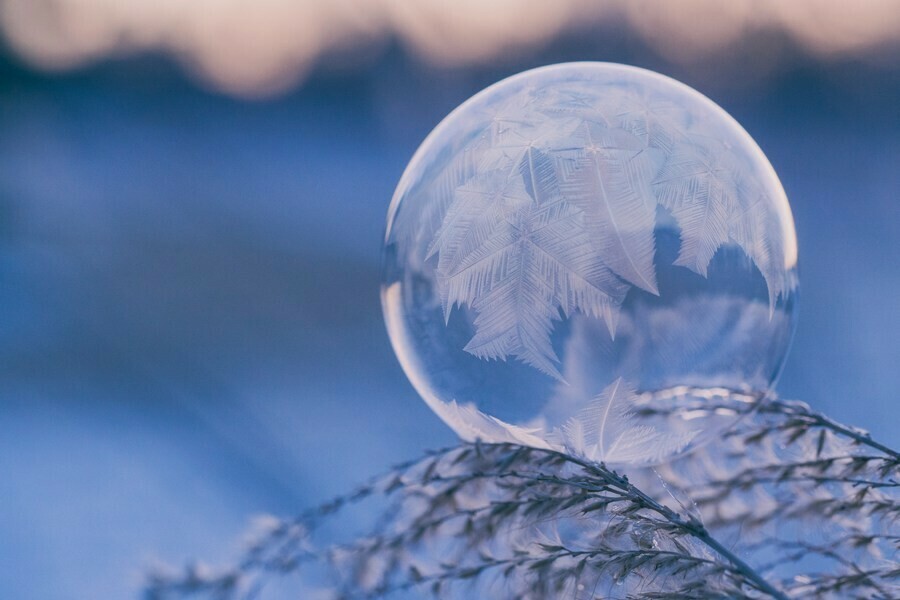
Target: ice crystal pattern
x=608, y=431
x=552, y=208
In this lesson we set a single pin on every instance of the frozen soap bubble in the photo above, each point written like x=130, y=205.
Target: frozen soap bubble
x=592, y=258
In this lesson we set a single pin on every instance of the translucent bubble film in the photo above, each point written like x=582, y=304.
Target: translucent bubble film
x=581, y=256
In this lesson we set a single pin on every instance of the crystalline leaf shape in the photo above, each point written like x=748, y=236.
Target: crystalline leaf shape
x=748, y=228
x=659, y=123
x=519, y=257
x=715, y=202
x=607, y=430
x=610, y=183
x=439, y=196
x=702, y=197
x=610, y=159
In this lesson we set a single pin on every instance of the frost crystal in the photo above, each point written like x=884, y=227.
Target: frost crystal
x=589, y=227
x=608, y=431
x=554, y=209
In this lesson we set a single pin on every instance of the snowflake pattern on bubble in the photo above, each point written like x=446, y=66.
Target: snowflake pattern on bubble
x=590, y=240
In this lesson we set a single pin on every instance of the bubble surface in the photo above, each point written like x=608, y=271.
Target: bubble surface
x=592, y=258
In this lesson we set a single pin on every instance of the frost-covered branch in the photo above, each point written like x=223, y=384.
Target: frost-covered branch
x=789, y=504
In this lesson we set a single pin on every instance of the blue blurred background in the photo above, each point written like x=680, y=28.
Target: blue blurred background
x=192, y=196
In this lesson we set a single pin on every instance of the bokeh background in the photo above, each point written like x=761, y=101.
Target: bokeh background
x=192, y=197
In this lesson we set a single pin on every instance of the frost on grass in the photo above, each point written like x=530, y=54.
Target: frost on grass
x=550, y=209
x=790, y=504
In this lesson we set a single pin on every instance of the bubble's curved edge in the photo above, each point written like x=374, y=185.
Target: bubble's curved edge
x=772, y=182
x=465, y=420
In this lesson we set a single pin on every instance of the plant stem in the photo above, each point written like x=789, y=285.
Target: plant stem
x=861, y=438
x=690, y=526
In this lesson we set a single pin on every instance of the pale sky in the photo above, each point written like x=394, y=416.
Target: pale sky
x=270, y=46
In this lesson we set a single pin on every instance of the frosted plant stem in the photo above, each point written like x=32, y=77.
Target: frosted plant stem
x=467, y=572
x=433, y=500
x=816, y=418
x=689, y=525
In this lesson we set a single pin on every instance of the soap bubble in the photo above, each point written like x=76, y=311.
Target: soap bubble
x=591, y=258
